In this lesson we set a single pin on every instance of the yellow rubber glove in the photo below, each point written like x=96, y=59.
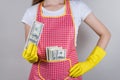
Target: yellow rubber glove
x=82, y=67
x=30, y=54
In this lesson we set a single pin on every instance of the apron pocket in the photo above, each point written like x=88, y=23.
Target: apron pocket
x=55, y=70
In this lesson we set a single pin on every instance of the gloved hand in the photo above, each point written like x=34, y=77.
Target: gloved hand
x=82, y=67
x=30, y=54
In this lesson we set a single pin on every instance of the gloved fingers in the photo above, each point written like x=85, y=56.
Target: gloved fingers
x=76, y=74
x=33, y=59
x=30, y=59
x=30, y=48
x=36, y=51
x=30, y=54
x=36, y=58
x=34, y=55
x=33, y=51
x=76, y=69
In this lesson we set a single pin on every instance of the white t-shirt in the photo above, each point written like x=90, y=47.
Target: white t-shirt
x=79, y=11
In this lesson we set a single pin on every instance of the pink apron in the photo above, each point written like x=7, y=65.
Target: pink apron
x=58, y=31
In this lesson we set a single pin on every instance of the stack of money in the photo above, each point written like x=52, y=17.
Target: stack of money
x=34, y=34
x=55, y=53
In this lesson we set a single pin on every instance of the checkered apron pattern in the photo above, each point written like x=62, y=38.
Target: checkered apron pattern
x=58, y=31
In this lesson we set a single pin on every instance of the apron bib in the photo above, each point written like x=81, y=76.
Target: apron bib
x=57, y=31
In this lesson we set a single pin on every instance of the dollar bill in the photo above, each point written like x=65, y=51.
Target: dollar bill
x=34, y=34
x=48, y=51
x=55, y=53
x=61, y=54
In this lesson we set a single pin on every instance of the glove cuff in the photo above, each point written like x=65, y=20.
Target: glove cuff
x=99, y=51
x=96, y=55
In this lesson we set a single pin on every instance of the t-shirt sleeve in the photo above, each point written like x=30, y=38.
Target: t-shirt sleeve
x=27, y=18
x=85, y=10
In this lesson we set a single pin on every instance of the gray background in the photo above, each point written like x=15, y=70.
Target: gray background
x=14, y=67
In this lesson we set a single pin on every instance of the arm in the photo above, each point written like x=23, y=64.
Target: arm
x=30, y=54
x=100, y=29
x=27, y=29
x=98, y=52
